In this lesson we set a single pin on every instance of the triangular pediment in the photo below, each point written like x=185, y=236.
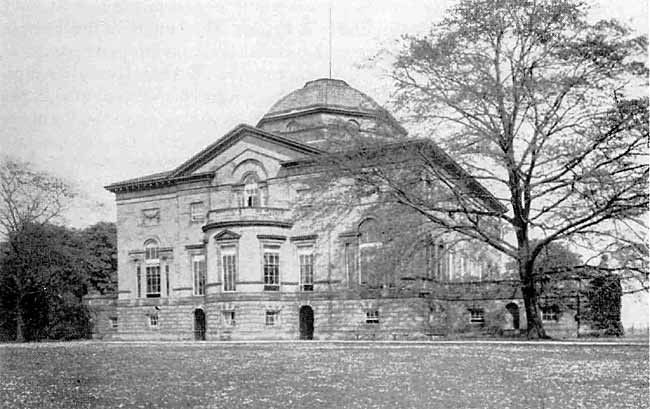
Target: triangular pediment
x=204, y=164
x=227, y=235
x=198, y=162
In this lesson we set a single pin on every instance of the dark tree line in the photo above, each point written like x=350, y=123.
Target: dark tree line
x=45, y=270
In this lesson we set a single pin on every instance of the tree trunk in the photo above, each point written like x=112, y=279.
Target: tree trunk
x=20, y=337
x=534, y=327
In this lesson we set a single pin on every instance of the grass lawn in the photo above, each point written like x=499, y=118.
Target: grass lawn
x=322, y=375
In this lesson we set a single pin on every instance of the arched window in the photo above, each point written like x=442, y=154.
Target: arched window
x=151, y=250
x=152, y=268
x=292, y=126
x=353, y=126
x=251, y=195
x=370, y=233
x=370, y=240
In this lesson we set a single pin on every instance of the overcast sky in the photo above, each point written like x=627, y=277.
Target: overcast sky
x=98, y=92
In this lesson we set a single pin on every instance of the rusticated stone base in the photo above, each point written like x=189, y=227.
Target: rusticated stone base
x=335, y=316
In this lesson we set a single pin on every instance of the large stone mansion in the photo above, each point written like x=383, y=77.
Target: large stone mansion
x=214, y=249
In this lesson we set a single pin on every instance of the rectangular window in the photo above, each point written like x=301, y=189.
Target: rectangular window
x=167, y=280
x=113, y=321
x=138, y=274
x=351, y=263
x=476, y=316
x=153, y=320
x=428, y=260
x=549, y=313
x=271, y=269
x=153, y=281
x=372, y=317
x=442, y=262
x=197, y=213
x=229, y=318
x=198, y=268
x=272, y=318
x=229, y=267
x=306, y=256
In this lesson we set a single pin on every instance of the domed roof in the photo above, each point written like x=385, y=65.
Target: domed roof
x=325, y=93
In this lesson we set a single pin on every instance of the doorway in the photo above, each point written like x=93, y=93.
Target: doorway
x=199, y=325
x=306, y=322
x=513, y=309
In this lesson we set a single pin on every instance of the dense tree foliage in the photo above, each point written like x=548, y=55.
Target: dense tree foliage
x=45, y=270
x=604, y=304
x=43, y=281
x=100, y=258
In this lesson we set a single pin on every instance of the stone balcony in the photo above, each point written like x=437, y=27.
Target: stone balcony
x=248, y=216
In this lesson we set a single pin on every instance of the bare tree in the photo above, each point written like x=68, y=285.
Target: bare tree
x=530, y=98
x=29, y=196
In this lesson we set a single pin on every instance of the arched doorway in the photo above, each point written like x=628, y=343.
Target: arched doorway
x=199, y=325
x=306, y=322
x=513, y=310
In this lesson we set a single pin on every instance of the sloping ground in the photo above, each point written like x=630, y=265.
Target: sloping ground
x=323, y=375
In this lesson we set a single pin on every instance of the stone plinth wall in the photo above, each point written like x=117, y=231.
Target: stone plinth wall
x=103, y=312
x=333, y=318
x=337, y=315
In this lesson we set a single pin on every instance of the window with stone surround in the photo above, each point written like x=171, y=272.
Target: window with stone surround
x=476, y=315
x=153, y=320
x=167, y=280
x=229, y=318
x=271, y=267
x=306, y=260
x=229, y=267
x=272, y=318
x=199, y=271
x=153, y=281
x=350, y=258
x=152, y=269
x=197, y=212
x=372, y=316
x=251, y=191
x=151, y=251
x=370, y=243
x=138, y=274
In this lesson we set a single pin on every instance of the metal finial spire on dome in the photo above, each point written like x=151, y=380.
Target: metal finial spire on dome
x=330, y=33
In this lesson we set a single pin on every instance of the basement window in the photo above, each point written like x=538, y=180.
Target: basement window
x=372, y=317
x=550, y=313
x=272, y=318
x=229, y=318
x=476, y=316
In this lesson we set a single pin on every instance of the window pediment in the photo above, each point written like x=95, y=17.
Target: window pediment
x=227, y=235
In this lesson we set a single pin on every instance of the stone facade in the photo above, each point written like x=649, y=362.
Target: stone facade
x=216, y=249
